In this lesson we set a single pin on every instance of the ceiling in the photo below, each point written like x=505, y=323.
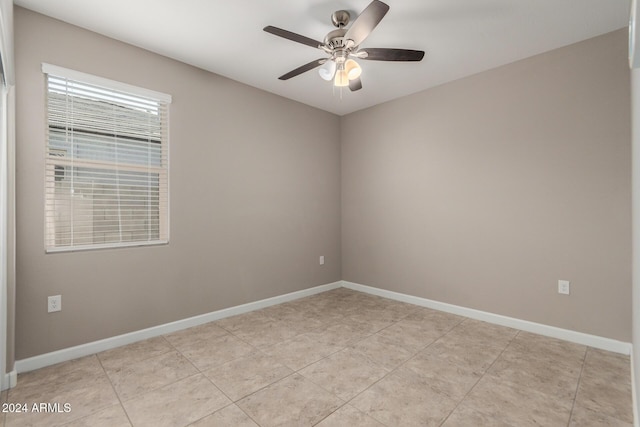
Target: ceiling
x=460, y=37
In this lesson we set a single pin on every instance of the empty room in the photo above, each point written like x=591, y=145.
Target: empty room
x=332, y=213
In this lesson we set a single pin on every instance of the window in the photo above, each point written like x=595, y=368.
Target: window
x=106, y=177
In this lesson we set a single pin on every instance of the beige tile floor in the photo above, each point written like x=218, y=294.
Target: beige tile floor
x=340, y=358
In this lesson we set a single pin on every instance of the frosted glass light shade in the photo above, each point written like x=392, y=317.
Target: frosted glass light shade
x=328, y=70
x=341, y=79
x=353, y=69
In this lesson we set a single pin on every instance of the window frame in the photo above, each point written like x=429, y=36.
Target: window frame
x=50, y=164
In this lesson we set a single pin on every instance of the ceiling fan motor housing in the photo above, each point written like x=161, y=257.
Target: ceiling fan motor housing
x=342, y=44
x=335, y=39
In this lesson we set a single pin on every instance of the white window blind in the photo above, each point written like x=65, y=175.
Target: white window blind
x=106, y=177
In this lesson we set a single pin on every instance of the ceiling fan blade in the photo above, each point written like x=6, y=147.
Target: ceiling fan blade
x=355, y=84
x=306, y=67
x=292, y=36
x=385, y=54
x=366, y=22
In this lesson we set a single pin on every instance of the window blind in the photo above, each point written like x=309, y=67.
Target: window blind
x=106, y=177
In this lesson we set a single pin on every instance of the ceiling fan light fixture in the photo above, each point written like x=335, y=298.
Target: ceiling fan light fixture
x=341, y=79
x=343, y=44
x=353, y=69
x=328, y=70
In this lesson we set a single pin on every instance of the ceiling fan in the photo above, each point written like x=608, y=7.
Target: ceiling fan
x=343, y=45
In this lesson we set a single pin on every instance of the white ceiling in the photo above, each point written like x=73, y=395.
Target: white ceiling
x=460, y=37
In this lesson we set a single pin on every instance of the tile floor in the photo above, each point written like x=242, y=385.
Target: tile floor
x=340, y=358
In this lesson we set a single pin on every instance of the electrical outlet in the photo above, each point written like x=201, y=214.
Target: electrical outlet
x=321, y=259
x=564, y=287
x=54, y=303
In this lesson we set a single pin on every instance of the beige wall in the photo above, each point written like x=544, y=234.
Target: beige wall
x=482, y=193
x=485, y=191
x=254, y=187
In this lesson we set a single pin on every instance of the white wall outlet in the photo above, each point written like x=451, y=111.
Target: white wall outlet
x=54, y=303
x=563, y=287
x=321, y=259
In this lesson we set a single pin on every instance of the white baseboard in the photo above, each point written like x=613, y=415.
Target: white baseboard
x=70, y=353
x=10, y=380
x=537, y=328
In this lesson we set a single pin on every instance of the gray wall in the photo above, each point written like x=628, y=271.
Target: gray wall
x=485, y=191
x=482, y=193
x=254, y=188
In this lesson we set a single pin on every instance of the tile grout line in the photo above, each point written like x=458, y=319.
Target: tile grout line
x=201, y=372
x=261, y=351
x=421, y=349
x=113, y=387
x=99, y=408
x=464, y=319
x=397, y=367
x=134, y=343
x=481, y=377
x=575, y=396
x=262, y=388
x=248, y=416
x=155, y=388
x=351, y=343
x=346, y=402
x=226, y=406
x=344, y=320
